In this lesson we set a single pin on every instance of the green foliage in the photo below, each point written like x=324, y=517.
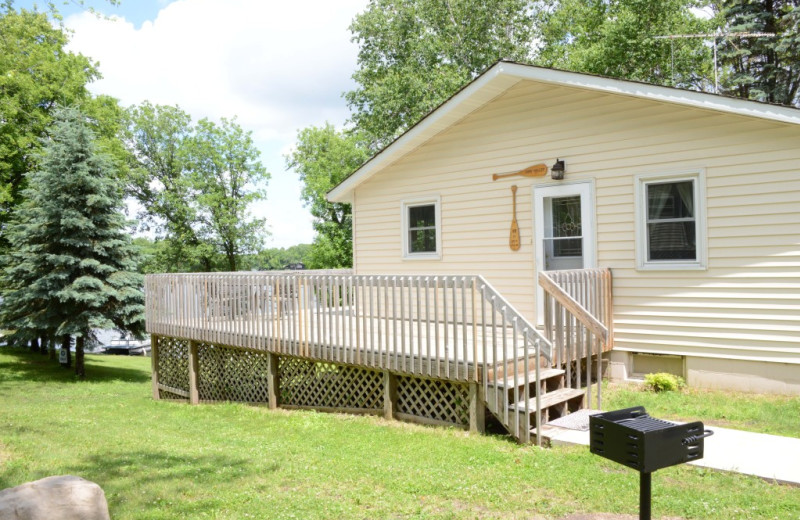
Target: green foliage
x=762, y=68
x=323, y=157
x=161, y=460
x=194, y=184
x=71, y=267
x=663, y=382
x=226, y=175
x=278, y=258
x=616, y=38
x=761, y=413
x=413, y=55
x=36, y=73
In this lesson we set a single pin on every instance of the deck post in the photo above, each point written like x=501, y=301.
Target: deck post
x=194, y=369
x=272, y=380
x=477, y=408
x=154, y=362
x=389, y=394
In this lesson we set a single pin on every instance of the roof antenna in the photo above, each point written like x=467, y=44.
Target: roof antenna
x=716, y=35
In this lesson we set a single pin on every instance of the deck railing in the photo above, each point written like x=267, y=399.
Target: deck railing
x=451, y=327
x=578, y=321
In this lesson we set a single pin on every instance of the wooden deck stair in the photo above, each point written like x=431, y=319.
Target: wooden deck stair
x=509, y=402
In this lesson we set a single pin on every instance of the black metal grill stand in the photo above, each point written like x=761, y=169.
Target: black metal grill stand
x=633, y=438
x=645, y=495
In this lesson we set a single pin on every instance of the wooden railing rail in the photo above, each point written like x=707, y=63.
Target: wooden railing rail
x=452, y=327
x=578, y=321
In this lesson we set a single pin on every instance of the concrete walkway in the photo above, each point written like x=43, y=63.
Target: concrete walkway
x=770, y=457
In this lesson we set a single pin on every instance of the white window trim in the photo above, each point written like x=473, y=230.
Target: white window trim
x=698, y=177
x=408, y=203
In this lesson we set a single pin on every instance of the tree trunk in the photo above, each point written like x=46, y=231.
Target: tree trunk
x=65, y=343
x=51, y=348
x=43, y=342
x=35, y=345
x=80, y=369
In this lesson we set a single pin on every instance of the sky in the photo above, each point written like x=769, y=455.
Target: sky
x=278, y=66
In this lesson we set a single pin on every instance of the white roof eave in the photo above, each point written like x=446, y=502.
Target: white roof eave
x=504, y=75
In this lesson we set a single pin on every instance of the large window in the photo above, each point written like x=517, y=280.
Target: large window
x=421, y=230
x=670, y=227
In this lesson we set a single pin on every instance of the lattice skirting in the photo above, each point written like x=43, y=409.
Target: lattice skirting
x=231, y=374
x=436, y=399
x=173, y=367
x=327, y=385
x=234, y=374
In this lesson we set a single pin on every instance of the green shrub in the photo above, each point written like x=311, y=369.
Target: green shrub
x=663, y=382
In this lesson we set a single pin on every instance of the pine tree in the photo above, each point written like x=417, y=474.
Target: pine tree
x=72, y=266
x=763, y=68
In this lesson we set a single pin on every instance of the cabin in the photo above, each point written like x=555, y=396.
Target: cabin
x=692, y=200
x=539, y=231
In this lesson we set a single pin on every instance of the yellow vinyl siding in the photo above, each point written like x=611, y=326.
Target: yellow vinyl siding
x=746, y=305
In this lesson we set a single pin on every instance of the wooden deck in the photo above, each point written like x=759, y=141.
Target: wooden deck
x=440, y=349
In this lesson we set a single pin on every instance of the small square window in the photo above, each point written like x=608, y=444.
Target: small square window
x=421, y=234
x=669, y=222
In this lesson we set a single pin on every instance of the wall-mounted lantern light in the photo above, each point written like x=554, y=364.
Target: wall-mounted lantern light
x=557, y=170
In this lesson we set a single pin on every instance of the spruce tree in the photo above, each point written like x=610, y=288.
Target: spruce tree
x=72, y=266
x=763, y=68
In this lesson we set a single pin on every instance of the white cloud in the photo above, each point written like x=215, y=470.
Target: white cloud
x=277, y=66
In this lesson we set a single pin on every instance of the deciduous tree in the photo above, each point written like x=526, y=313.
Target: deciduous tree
x=227, y=177
x=195, y=184
x=323, y=157
x=36, y=73
x=617, y=38
x=415, y=54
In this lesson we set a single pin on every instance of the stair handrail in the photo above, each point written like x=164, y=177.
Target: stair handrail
x=573, y=306
x=541, y=347
x=511, y=315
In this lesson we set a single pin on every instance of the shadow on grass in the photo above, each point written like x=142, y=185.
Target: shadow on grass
x=147, y=481
x=31, y=366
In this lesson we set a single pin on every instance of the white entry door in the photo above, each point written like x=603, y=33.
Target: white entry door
x=563, y=216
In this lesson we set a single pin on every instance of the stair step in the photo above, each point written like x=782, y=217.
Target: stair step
x=562, y=395
x=544, y=373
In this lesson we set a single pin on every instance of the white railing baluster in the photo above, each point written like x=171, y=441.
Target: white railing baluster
x=419, y=325
x=428, y=324
x=436, y=327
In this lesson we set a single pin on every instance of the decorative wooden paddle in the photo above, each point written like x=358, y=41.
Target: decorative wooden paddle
x=537, y=170
x=513, y=239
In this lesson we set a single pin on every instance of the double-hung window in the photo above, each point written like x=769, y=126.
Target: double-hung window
x=421, y=229
x=670, y=221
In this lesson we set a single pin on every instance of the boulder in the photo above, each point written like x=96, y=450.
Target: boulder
x=54, y=498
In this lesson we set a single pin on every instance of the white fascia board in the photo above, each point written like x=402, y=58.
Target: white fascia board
x=471, y=97
x=677, y=96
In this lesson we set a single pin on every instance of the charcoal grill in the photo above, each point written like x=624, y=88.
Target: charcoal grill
x=632, y=438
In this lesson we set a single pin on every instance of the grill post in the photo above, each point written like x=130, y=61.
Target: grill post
x=645, y=495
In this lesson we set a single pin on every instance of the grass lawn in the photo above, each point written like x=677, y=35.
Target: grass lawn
x=774, y=414
x=158, y=460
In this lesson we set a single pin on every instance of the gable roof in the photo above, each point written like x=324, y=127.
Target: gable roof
x=505, y=74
